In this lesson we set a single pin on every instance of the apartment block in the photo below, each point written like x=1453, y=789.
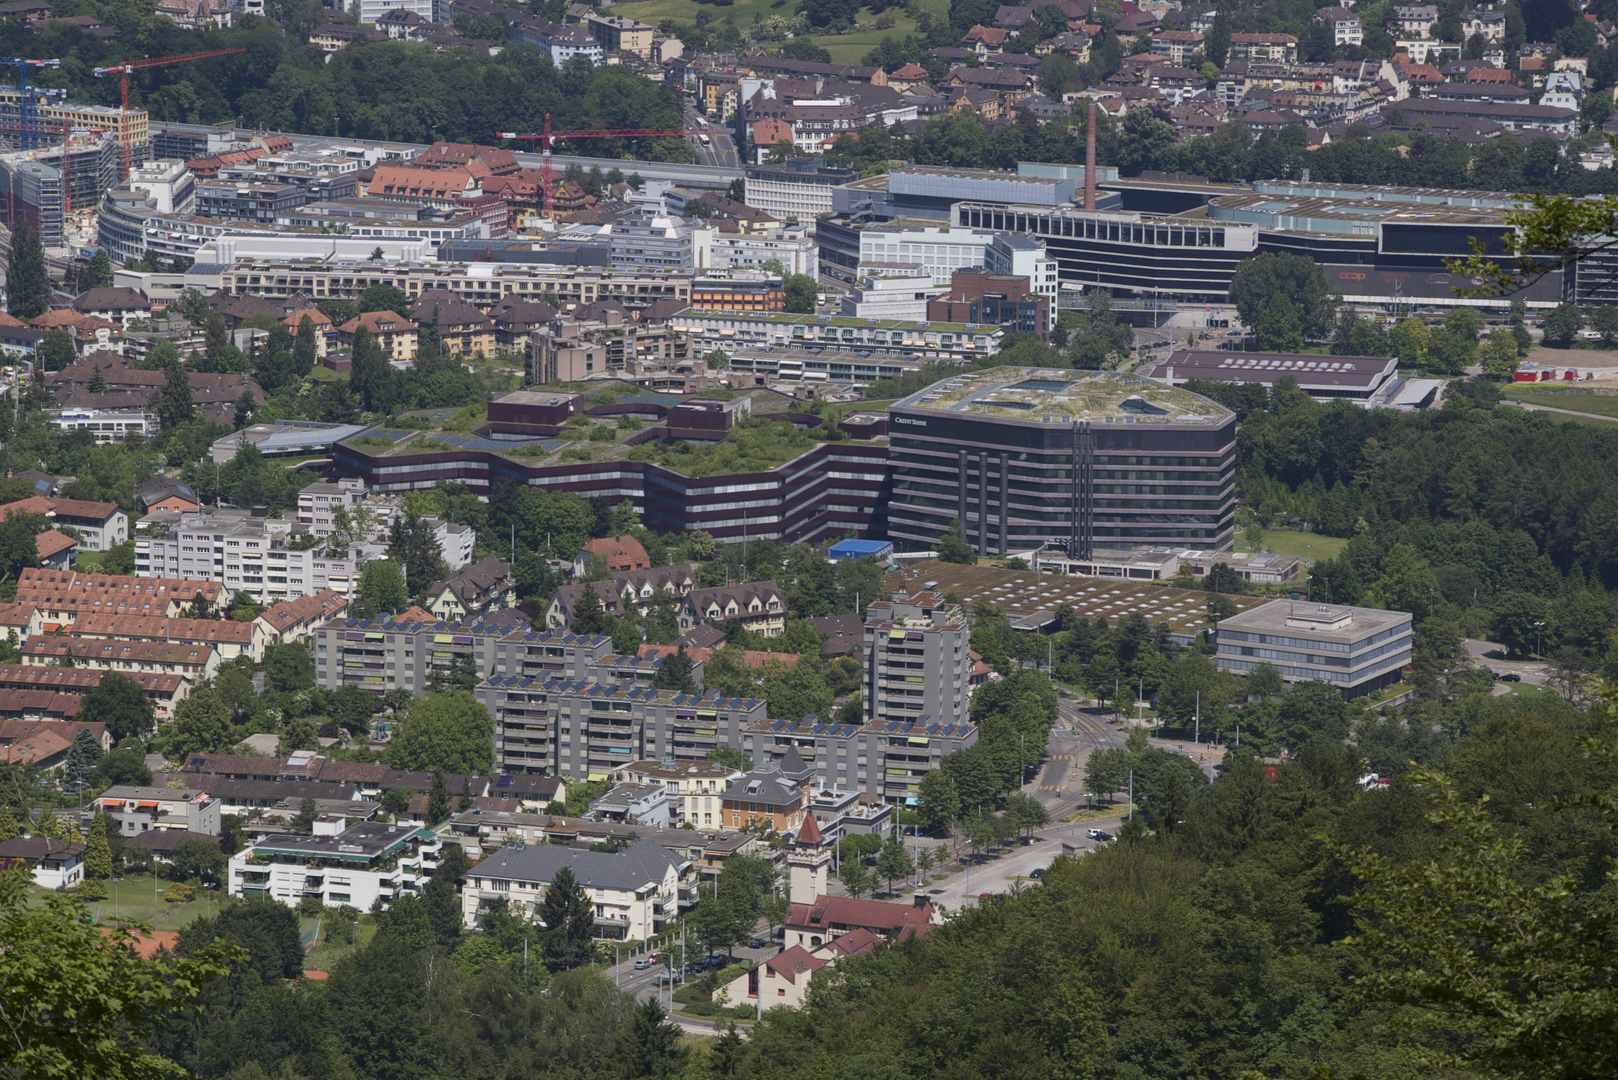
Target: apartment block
x=918, y=661
x=388, y=654
x=100, y=525
x=142, y=809
x=635, y=891
x=695, y=789
x=243, y=550
x=882, y=760
x=587, y=730
x=358, y=866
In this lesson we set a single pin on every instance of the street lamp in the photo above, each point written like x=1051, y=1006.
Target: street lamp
x=1538, y=640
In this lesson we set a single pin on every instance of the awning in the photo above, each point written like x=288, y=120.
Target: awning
x=911, y=801
x=598, y=776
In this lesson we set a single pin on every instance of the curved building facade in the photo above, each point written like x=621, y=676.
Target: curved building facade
x=1081, y=460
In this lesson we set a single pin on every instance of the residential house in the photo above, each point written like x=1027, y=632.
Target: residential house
x=1282, y=48
x=758, y=605
x=1485, y=22
x=475, y=590
x=462, y=329
x=1346, y=27
x=695, y=789
x=231, y=638
x=55, y=864
x=619, y=552
x=288, y=621
x=162, y=842
x=1177, y=45
x=100, y=525
x=1414, y=20
x=142, y=809
x=643, y=804
x=635, y=891
x=129, y=658
x=166, y=493
x=985, y=40
x=631, y=588
x=771, y=800
x=45, y=748
x=61, y=596
x=394, y=333
x=25, y=683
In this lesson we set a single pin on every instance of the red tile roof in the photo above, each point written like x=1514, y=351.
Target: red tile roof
x=847, y=913
x=101, y=651
x=71, y=590
x=809, y=833
x=51, y=543
x=790, y=963
x=156, y=628
x=621, y=553
x=289, y=613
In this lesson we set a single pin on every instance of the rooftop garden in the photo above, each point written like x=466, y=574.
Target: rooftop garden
x=753, y=445
x=1032, y=393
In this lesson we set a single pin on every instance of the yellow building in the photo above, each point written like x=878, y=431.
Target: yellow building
x=133, y=127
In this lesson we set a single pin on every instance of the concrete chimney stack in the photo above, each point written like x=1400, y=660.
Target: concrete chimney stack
x=1090, y=158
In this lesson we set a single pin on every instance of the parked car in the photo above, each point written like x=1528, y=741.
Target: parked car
x=758, y=943
x=1098, y=835
x=1036, y=873
x=1511, y=676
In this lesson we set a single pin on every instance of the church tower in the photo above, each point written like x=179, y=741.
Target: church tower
x=809, y=862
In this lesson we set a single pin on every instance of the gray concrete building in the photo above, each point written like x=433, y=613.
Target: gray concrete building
x=918, y=661
x=386, y=654
x=143, y=809
x=883, y=760
x=1358, y=650
x=588, y=730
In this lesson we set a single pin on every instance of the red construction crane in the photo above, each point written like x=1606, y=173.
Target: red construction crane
x=547, y=136
x=128, y=66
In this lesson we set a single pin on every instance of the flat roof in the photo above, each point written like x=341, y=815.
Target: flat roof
x=1026, y=595
x=1361, y=212
x=1060, y=395
x=1246, y=367
x=1322, y=621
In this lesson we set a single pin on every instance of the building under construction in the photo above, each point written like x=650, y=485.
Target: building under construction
x=33, y=182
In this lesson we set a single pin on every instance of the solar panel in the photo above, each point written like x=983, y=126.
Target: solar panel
x=503, y=782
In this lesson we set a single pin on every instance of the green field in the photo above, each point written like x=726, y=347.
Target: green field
x=1582, y=401
x=133, y=899
x=1303, y=544
x=844, y=48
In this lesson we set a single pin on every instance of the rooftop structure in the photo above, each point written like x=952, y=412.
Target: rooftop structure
x=1052, y=396
x=1356, y=378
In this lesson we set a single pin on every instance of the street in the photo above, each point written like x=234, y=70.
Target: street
x=721, y=150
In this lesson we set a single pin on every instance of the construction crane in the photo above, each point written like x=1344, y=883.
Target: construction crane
x=129, y=66
x=30, y=96
x=547, y=136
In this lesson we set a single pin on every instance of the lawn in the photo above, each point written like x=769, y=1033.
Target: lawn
x=133, y=899
x=840, y=409
x=1574, y=400
x=322, y=373
x=1303, y=544
x=88, y=563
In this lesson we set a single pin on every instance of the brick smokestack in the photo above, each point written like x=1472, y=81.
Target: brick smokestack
x=1090, y=158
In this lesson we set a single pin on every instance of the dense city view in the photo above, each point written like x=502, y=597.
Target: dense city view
x=754, y=538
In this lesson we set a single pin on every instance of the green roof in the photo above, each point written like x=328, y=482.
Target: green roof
x=1061, y=394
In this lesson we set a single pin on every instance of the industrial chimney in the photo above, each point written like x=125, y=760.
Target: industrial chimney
x=1090, y=158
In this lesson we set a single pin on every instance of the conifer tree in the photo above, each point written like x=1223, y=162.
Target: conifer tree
x=28, y=288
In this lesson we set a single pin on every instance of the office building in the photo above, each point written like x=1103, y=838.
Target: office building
x=358, y=866
x=799, y=190
x=1357, y=650
x=918, y=660
x=1359, y=379
x=1027, y=457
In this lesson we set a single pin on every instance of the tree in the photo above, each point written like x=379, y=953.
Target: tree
x=451, y=732
x=939, y=803
x=1145, y=142
x=98, y=853
x=953, y=546
x=308, y=814
x=894, y=861
x=28, y=288
x=801, y=293
x=589, y=615
x=647, y=1047
x=195, y=857
x=1220, y=578
x=122, y=765
x=173, y=402
x=306, y=348
x=437, y=799
x=1604, y=321
x=82, y=756
x=244, y=409
x=1499, y=354
x=384, y=297
x=56, y=351
x=201, y=725
x=413, y=546
x=1264, y=279
x=289, y=669
x=1514, y=969
x=1563, y=324
x=568, y=918
x=1025, y=812
x=443, y=910
x=19, y=544
x=75, y=1006
x=118, y=702
x=382, y=587
x=97, y=273
x=1280, y=329
x=674, y=673
x=855, y=877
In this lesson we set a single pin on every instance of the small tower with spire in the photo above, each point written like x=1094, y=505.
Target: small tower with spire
x=809, y=863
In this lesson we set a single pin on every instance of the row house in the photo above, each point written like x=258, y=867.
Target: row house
x=62, y=595
x=630, y=589
x=129, y=658
x=230, y=637
x=164, y=689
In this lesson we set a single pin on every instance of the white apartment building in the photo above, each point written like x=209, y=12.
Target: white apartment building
x=794, y=247
x=135, y=809
x=896, y=294
x=940, y=251
x=635, y=891
x=793, y=195
x=371, y=11
x=241, y=550
x=357, y=865
x=319, y=502
x=107, y=427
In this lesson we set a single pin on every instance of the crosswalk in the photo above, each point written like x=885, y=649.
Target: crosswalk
x=1050, y=787
x=1062, y=757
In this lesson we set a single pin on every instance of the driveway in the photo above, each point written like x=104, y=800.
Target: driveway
x=1492, y=655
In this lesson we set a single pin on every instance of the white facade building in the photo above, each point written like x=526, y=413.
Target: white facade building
x=794, y=248
x=894, y=294
x=1025, y=256
x=635, y=891
x=241, y=551
x=939, y=251
x=107, y=427
x=359, y=865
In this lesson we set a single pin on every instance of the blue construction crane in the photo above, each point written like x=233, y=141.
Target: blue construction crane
x=29, y=97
